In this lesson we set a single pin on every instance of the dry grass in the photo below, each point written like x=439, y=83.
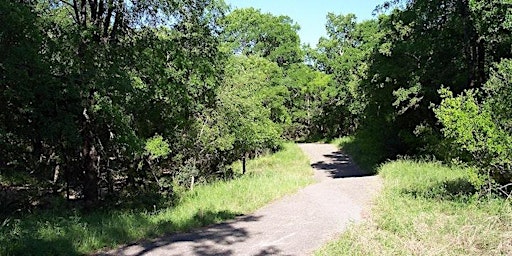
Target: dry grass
x=426, y=209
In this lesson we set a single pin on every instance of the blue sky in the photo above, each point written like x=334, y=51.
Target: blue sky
x=310, y=14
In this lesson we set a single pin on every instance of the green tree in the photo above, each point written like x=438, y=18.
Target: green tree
x=29, y=117
x=251, y=105
x=250, y=32
x=90, y=82
x=346, y=55
x=309, y=92
x=427, y=44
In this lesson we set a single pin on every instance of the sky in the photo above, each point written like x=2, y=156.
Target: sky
x=310, y=14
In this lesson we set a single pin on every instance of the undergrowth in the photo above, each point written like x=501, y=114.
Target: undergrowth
x=57, y=232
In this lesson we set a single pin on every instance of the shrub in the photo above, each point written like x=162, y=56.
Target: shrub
x=481, y=130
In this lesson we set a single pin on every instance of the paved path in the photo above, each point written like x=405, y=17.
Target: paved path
x=294, y=225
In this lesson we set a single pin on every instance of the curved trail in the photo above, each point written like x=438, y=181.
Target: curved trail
x=294, y=225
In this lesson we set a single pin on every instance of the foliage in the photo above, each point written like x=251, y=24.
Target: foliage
x=345, y=55
x=20, y=67
x=250, y=32
x=309, y=91
x=119, y=98
x=471, y=125
x=157, y=147
x=251, y=105
x=416, y=48
x=293, y=91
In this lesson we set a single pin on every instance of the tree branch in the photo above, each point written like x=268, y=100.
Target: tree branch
x=117, y=20
x=75, y=10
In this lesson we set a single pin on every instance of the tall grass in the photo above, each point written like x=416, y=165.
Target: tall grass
x=429, y=209
x=72, y=233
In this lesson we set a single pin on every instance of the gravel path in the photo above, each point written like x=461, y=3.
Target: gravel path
x=294, y=225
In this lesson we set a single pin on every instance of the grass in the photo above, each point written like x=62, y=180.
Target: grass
x=74, y=233
x=429, y=209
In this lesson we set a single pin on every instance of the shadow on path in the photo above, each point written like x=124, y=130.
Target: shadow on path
x=214, y=240
x=340, y=165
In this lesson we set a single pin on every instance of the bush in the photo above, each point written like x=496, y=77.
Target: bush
x=481, y=130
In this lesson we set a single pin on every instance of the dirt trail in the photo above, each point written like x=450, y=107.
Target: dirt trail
x=294, y=225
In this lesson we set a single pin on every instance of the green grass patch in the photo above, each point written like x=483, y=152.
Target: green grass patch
x=74, y=233
x=427, y=208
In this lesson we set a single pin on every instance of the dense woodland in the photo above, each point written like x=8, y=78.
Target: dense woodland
x=105, y=101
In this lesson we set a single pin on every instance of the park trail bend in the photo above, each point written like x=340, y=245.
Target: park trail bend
x=297, y=224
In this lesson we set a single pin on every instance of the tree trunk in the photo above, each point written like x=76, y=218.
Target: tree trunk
x=480, y=62
x=56, y=174
x=243, y=164
x=474, y=46
x=110, y=180
x=89, y=165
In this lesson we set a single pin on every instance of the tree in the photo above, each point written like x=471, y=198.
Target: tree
x=28, y=118
x=250, y=32
x=100, y=35
x=108, y=76
x=247, y=103
x=309, y=92
x=427, y=44
x=345, y=55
